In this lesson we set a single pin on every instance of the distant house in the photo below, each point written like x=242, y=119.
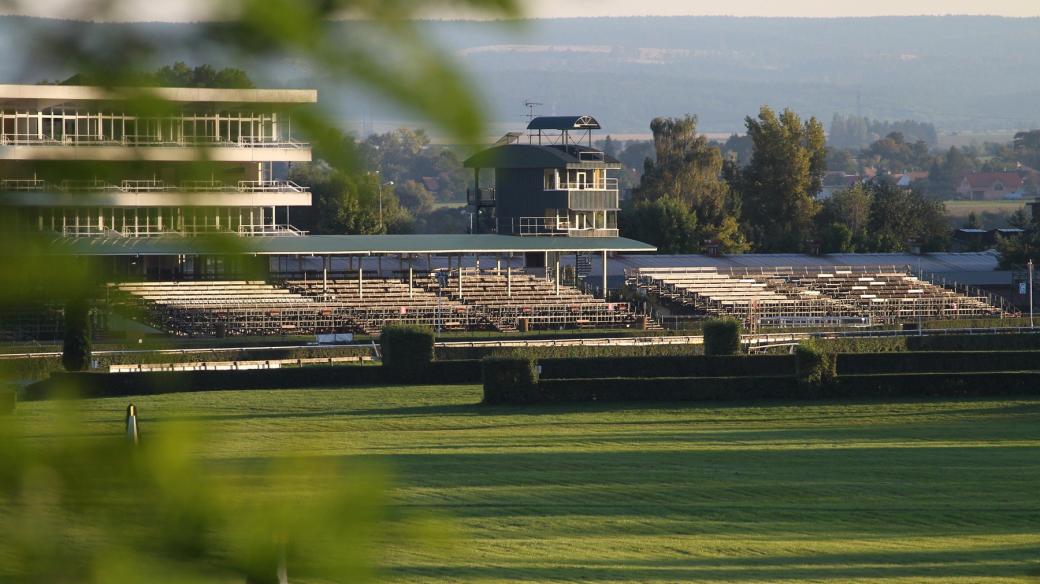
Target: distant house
x=906, y=180
x=837, y=181
x=431, y=183
x=992, y=185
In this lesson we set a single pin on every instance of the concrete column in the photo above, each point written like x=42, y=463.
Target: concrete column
x=360, y=278
x=411, y=285
x=379, y=266
x=509, y=279
x=604, y=274
x=460, y=276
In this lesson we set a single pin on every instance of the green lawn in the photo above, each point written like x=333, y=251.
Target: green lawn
x=867, y=492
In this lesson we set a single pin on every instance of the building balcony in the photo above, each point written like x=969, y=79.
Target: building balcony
x=20, y=147
x=480, y=197
x=151, y=193
x=552, y=226
x=265, y=230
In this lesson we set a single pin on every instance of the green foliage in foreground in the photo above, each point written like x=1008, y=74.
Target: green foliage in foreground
x=897, y=492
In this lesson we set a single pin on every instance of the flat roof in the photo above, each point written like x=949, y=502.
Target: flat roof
x=63, y=93
x=341, y=245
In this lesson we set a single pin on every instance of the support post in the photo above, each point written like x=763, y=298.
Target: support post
x=325, y=277
x=379, y=266
x=411, y=286
x=460, y=276
x=509, y=279
x=360, y=278
x=1030, y=293
x=557, y=273
x=604, y=274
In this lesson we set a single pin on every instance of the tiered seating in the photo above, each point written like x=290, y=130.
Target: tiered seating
x=377, y=301
x=506, y=298
x=232, y=308
x=811, y=296
x=707, y=291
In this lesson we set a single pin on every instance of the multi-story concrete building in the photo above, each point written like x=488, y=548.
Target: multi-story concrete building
x=549, y=182
x=86, y=161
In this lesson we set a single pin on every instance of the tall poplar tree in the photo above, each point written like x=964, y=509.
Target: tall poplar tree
x=780, y=184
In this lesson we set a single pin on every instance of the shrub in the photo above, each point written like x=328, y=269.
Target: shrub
x=8, y=400
x=512, y=380
x=722, y=337
x=407, y=351
x=814, y=366
x=938, y=361
x=625, y=389
x=75, y=352
x=570, y=351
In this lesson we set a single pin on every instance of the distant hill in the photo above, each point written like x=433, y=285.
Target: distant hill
x=961, y=73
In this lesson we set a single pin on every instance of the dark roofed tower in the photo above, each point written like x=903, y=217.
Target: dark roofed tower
x=551, y=183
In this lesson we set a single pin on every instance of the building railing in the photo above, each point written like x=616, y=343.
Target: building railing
x=151, y=141
x=608, y=184
x=151, y=186
x=554, y=226
x=257, y=230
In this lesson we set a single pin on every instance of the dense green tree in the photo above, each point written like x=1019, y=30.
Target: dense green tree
x=778, y=187
x=946, y=172
x=1015, y=252
x=894, y=154
x=688, y=168
x=666, y=222
x=738, y=148
x=414, y=197
x=849, y=208
x=899, y=216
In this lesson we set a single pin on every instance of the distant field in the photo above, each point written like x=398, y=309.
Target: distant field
x=895, y=492
x=991, y=214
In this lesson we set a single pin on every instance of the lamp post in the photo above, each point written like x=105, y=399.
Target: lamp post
x=1030, y=265
x=386, y=184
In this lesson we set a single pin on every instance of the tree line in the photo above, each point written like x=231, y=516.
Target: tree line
x=692, y=197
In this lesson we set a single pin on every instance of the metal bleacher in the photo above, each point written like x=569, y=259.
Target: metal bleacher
x=809, y=296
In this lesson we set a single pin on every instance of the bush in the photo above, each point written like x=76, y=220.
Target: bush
x=407, y=351
x=722, y=337
x=693, y=366
x=510, y=380
x=814, y=366
x=75, y=352
x=863, y=344
x=8, y=400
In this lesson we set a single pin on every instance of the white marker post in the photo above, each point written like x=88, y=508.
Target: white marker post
x=131, y=424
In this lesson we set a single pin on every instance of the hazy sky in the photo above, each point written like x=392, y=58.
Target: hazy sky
x=180, y=10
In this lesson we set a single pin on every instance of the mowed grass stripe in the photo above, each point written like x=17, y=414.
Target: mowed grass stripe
x=913, y=491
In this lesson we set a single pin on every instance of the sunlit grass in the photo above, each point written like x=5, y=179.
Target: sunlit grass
x=865, y=492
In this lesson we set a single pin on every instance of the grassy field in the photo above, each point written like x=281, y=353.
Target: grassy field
x=991, y=214
x=865, y=492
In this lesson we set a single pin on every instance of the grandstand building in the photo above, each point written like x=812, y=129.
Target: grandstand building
x=549, y=183
x=89, y=162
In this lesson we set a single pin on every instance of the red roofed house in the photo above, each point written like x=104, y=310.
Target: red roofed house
x=992, y=185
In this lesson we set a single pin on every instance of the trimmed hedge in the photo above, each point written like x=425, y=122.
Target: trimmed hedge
x=814, y=366
x=625, y=389
x=786, y=388
x=407, y=351
x=722, y=336
x=938, y=362
x=695, y=366
x=511, y=380
x=8, y=400
x=90, y=385
x=570, y=351
x=992, y=342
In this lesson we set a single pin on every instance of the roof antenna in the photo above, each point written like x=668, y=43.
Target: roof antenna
x=530, y=105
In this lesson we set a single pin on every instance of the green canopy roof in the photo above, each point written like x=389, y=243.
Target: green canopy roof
x=341, y=245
